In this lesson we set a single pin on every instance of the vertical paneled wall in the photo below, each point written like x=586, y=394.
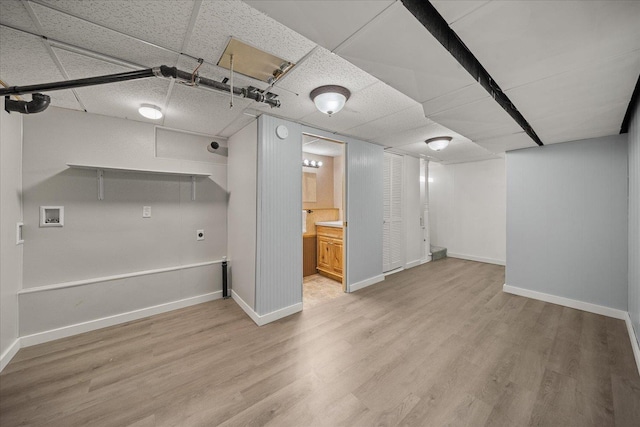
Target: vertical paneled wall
x=634, y=221
x=279, y=229
x=364, y=211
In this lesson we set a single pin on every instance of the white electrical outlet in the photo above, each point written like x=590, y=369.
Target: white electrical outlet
x=199, y=234
x=146, y=212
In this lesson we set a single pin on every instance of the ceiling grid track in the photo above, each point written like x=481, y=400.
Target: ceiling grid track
x=431, y=19
x=52, y=54
x=355, y=33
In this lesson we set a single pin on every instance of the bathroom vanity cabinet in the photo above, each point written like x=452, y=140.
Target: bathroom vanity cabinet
x=330, y=251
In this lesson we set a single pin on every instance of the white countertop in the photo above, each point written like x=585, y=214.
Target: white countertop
x=335, y=224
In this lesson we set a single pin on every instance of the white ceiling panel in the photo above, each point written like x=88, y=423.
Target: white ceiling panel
x=60, y=26
x=24, y=60
x=398, y=50
x=472, y=93
x=391, y=125
x=418, y=135
x=452, y=11
x=321, y=147
x=325, y=68
x=160, y=22
x=500, y=144
x=293, y=107
x=202, y=110
x=236, y=125
x=220, y=20
x=478, y=120
x=585, y=103
x=13, y=13
x=327, y=23
x=117, y=99
x=521, y=42
x=370, y=103
x=459, y=150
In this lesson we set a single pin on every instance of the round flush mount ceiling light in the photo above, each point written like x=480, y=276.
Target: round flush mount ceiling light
x=438, y=143
x=330, y=99
x=150, y=111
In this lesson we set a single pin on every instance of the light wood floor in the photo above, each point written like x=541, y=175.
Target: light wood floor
x=437, y=345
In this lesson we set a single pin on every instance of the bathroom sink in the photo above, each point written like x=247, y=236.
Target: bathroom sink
x=336, y=224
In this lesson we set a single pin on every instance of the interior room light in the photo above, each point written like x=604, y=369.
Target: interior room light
x=150, y=111
x=438, y=143
x=330, y=99
x=311, y=163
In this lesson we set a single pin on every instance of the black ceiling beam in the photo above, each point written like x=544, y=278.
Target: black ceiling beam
x=633, y=104
x=431, y=19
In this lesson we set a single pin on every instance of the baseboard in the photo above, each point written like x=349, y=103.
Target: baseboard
x=368, y=282
x=425, y=260
x=412, y=264
x=8, y=354
x=261, y=320
x=476, y=258
x=567, y=302
x=92, y=325
x=634, y=340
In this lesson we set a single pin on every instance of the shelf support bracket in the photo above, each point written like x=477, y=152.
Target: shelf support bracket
x=100, y=174
x=193, y=188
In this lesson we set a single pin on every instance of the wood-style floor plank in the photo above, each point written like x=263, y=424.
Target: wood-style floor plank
x=439, y=344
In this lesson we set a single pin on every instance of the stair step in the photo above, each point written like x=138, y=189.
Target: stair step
x=438, y=253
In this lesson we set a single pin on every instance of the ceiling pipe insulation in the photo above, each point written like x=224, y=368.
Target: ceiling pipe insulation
x=431, y=19
x=162, y=71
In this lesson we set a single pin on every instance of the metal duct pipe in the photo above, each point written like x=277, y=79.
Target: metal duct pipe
x=162, y=71
x=38, y=104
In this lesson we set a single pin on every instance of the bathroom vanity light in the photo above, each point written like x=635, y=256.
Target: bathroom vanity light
x=330, y=99
x=150, y=111
x=311, y=163
x=438, y=143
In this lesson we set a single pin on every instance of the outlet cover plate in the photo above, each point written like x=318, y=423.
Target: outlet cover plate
x=199, y=234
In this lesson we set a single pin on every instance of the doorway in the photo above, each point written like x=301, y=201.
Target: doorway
x=323, y=219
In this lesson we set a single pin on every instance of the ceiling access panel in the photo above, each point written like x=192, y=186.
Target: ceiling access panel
x=328, y=23
x=218, y=21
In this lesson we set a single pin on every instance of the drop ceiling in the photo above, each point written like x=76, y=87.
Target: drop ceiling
x=569, y=67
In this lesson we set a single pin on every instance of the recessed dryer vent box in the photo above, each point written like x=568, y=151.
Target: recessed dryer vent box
x=51, y=216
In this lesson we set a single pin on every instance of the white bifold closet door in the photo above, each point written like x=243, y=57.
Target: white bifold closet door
x=392, y=226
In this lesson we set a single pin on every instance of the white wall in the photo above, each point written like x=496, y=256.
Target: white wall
x=241, y=237
x=109, y=237
x=567, y=220
x=412, y=212
x=338, y=184
x=634, y=221
x=467, y=209
x=10, y=214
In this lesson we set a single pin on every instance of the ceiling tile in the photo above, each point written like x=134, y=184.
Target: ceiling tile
x=478, y=120
x=452, y=11
x=13, y=13
x=418, y=136
x=325, y=68
x=398, y=50
x=327, y=23
x=236, y=125
x=459, y=150
x=521, y=42
x=24, y=60
x=160, y=22
x=220, y=20
x=473, y=92
x=391, y=125
x=75, y=31
x=373, y=102
x=500, y=144
x=580, y=104
x=117, y=99
x=201, y=110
